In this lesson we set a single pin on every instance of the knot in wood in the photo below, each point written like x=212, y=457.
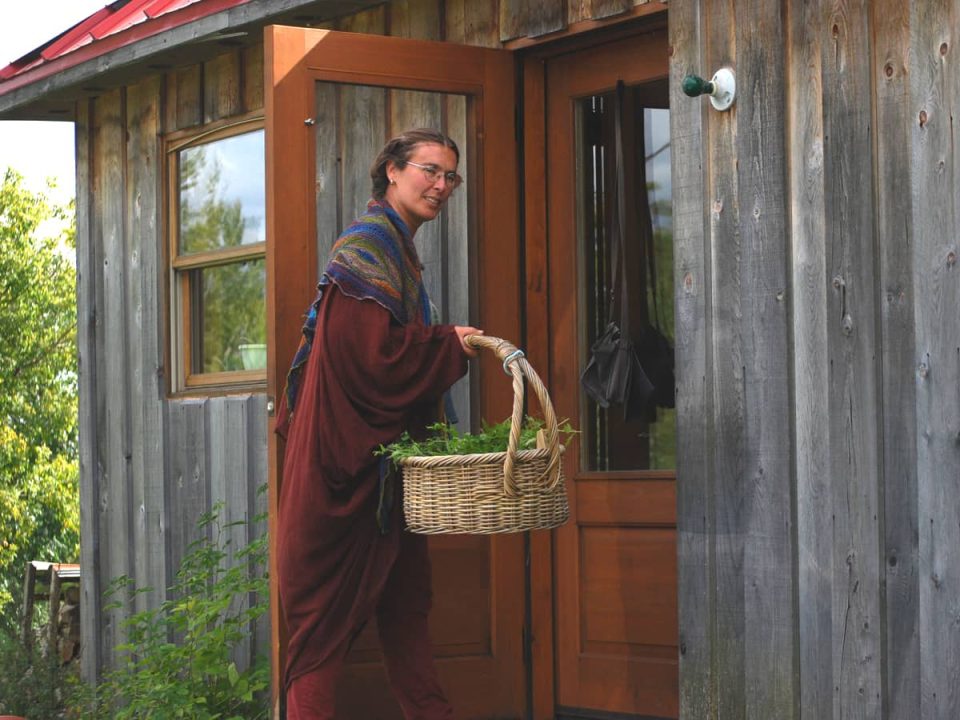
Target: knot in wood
x=923, y=370
x=888, y=70
x=944, y=48
x=951, y=258
x=847, y=324
x=923, y=118
x=838, y=282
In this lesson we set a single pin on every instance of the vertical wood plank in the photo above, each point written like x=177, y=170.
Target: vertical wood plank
x=187, y=109
x=891, y=59
x=145, y=268
x=934, y=95
x=328, y=172
x=251, y=59
x=89, y=333
x=726, y=381
x=418, y=19
x=579, y=10
x=188, y=483
x=695, y=501
x=459, y=280
x=472, y=22
x=767, y=480
x=222, y=87
x=361, y=143
x=257, y=463
x=113, y=424
x=529, y=18
x=811, y=369
x=373, y=21
x=852, y=319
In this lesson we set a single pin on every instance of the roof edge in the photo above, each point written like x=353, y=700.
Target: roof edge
x=135, y=46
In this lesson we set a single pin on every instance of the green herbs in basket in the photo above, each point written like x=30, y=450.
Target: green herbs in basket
x=444, y=439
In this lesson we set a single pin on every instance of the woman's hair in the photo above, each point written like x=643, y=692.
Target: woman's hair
x=399, y=149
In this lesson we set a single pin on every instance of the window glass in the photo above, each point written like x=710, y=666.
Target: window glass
x=221, y=187
x=230, y=325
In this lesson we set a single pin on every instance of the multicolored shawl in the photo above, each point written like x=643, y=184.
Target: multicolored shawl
x=374, y=259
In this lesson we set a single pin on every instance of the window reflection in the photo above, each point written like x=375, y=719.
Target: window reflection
x=222, y=197
x=609, y=441
x=230, y=326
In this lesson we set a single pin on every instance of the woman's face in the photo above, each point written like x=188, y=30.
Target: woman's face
x=416, y=196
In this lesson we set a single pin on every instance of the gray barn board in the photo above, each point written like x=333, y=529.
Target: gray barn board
x=818, y=353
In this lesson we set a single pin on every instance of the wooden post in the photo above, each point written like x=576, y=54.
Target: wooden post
x=29, y=582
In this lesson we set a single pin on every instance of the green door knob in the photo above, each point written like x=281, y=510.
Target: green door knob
x=721, y=88
x=695, y=86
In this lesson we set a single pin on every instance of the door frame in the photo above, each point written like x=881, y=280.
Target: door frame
x=542, y=546
x=487, y=76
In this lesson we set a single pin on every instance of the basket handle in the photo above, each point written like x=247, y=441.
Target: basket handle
x=518, y=367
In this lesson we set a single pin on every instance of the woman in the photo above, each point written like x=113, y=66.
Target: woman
x=370, y=366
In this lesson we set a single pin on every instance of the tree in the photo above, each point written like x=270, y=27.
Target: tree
x=39, y=497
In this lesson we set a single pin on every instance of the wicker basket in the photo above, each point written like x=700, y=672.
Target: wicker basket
x=500, y=492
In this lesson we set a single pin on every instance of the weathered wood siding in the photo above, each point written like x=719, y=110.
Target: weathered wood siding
x=818, y=338
x=150, y=464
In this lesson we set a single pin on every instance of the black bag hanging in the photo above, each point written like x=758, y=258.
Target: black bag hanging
x=637, y=376
x=653, y=347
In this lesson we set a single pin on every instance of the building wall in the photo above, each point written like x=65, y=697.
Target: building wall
x=817, y=345
x=152, y=464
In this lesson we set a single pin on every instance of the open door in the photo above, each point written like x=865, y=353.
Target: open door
x=332, y=99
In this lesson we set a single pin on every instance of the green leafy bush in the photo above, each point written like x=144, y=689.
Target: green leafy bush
x=31, y=684
x=178, y=658
x=445, y=439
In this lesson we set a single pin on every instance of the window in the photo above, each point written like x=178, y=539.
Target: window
x=218, y=268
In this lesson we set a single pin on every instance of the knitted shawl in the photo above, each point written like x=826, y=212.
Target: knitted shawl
x=373, y=259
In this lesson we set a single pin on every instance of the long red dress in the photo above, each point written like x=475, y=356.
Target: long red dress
x=367, y=379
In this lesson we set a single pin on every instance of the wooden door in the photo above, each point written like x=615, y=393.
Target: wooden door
x=615, y=565
x=332, y=99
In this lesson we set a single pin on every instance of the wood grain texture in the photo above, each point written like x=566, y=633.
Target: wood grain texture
x=852, y=314
x=222, y=87
x=113, y=419
x=144, y=256
x=900, y=548
x=90, y=375
x=695, y=498
x=765, y=487
x=472, y=22
x=529, y=18
x=934, y=93
x=726, y=381
x=811, y=368
x=579, y=10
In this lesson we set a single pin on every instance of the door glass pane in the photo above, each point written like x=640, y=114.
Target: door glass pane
x=228, y=304
x=610, y=442
x=345, y=150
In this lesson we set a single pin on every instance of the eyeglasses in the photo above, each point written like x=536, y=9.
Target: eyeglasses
x=434, y=173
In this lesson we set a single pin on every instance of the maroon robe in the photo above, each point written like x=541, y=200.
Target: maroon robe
x=367, y=380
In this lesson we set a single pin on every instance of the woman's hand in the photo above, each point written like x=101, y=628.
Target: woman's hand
x=462, y=332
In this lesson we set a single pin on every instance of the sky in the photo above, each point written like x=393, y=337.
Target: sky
x=39, y=150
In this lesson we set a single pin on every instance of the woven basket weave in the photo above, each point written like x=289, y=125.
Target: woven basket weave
x=500, y=492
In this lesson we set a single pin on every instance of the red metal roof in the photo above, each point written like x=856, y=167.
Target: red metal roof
x=116, y=25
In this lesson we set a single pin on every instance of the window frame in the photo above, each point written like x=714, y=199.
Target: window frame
x=179, y=266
